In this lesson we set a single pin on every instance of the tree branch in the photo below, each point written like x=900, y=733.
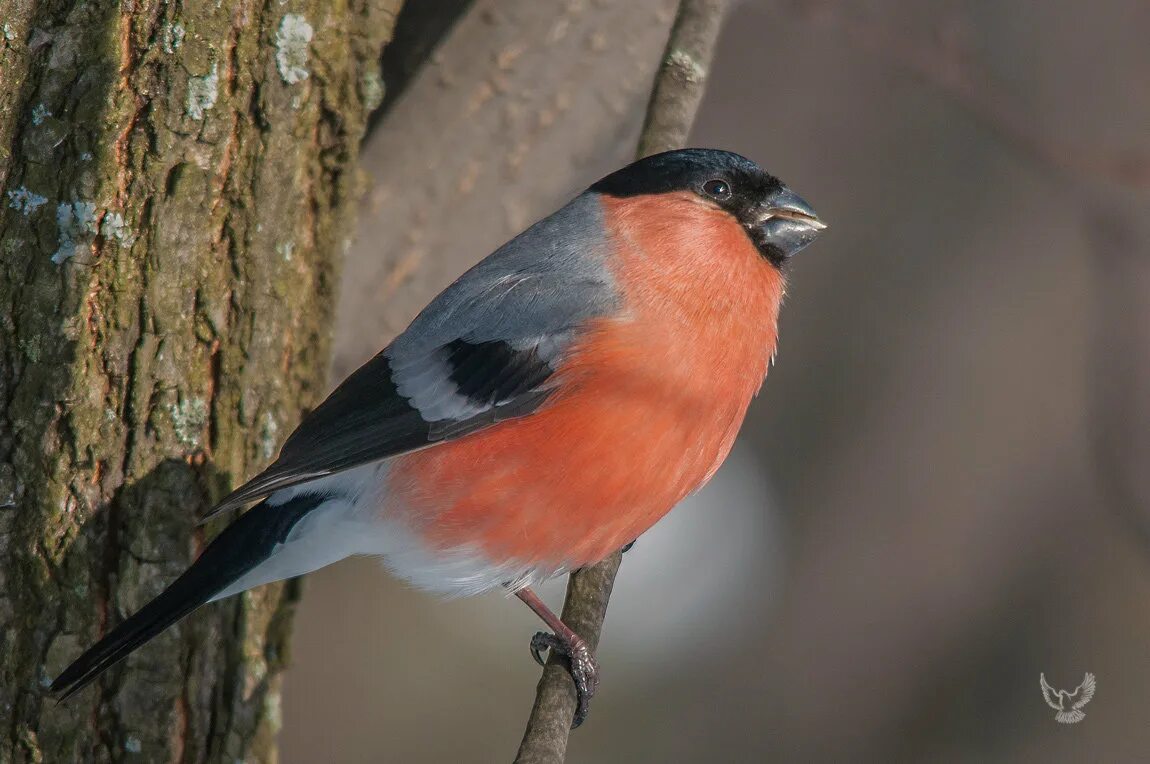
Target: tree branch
x=675, y=97
x=681, y=79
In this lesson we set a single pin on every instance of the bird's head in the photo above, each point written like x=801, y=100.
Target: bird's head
x=775, y=218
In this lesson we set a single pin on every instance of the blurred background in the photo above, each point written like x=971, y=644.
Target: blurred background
x=941, y=491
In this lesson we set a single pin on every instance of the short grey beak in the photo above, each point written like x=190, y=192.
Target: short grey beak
x=787, y=222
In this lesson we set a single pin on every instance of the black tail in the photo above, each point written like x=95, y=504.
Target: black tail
x=242, y=546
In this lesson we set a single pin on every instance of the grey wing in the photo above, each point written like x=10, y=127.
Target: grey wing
x=483, y=351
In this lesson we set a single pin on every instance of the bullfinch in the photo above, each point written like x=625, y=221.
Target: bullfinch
x=542, y=412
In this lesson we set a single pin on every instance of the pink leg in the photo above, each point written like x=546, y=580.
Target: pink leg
x=581, y=663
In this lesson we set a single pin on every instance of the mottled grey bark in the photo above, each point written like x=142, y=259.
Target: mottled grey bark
x=175, y=180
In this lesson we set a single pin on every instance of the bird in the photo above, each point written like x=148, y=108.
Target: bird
x=1068, y=704
x=540, y=413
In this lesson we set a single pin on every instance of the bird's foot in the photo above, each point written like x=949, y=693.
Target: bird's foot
x=581, y=663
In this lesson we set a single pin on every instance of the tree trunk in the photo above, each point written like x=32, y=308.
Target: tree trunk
x=175, y=180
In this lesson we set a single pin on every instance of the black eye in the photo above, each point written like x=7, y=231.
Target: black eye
x=718, y=188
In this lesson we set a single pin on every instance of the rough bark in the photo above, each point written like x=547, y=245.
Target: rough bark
x=675, y=98
x=174, y=181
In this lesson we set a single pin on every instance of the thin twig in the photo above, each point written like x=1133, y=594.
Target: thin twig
x=675, y=97
x=681, y=79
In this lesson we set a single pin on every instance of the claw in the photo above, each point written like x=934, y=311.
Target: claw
x=540, y=642
x=582, y=665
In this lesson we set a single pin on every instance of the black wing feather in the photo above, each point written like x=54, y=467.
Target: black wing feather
x=494, y=372
x=366, y=419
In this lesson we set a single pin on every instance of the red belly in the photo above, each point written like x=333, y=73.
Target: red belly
x=647, y=405
x=568, y=485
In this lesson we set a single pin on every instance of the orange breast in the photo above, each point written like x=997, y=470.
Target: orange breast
x=647, y=408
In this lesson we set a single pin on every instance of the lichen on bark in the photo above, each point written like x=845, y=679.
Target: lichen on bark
x=171, y=213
